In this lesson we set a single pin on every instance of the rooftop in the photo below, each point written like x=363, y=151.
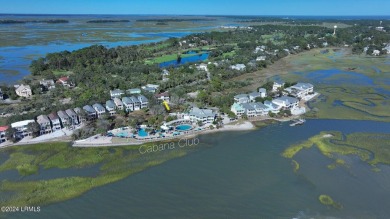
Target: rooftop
x=3, y=128
x=21, y=123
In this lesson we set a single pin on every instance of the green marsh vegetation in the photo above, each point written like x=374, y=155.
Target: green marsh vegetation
x=327, y=200
x=114, y=163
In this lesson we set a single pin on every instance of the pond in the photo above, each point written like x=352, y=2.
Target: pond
x=184, y=60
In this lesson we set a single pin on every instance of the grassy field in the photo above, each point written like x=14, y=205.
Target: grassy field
x=115, y=163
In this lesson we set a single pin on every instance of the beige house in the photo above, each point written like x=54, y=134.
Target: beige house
x=23, y=91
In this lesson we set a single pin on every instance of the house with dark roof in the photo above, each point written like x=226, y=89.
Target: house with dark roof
x=73, y=117
x=44, y=124
x=64, y=118
x=90, y=111
x=136, y=103
x=128, y=104
x=119, y=104
x=55, y=121
x=111, y=107
x=117, y=93
x=144, y=101
x=100, y=110
x=81, y=114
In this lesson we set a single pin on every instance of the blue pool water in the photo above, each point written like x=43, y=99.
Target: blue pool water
x=183, y=127
x=142, y=133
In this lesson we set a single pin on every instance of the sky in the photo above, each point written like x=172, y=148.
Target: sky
x=198, y=7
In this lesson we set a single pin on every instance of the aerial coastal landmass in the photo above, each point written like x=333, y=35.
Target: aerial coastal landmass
x=217, y=115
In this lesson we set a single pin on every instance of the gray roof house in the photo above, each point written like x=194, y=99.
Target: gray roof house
x=203, y=115
x=110, y=106
x=116, y=93
x=128, y=104
x=133, y=91
x=286, y=101
x=271, y=106
x=65, y=119
x=55, y=121
x=249, y=109
x=73, y=116
x=263, y=92
x=44, y=124
x=261, y=109
x=241, y=98
x=100, y=110
x=144, y=101
x=91, y=113
x=81, y=114
x=136, y=102
x=119, y=104
x=252, y=96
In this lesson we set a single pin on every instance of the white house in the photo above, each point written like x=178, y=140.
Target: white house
x=128, y=104
x=286, y=102
x=90, y=111
x=65, y=119
x=73, y=117
x=237, y=109
x=152, y=88
x=261, y=58
x=277, y=85
x=21, y=128
x=110, y=106
x=202, y=67
x=163, y=96
x=273, y=108
x=119, y=104
x=44, y=124
x=117, y=93
x=55, y=121
x=300, y=89
x=252, y=96
x=263, y=92
x=260, y=109
x=23, y=91
x=203, y=115
x=100, y=110
x=249, y=110
x=136, y=103
x=144, y=101
x=238, y=67
x=241, y=98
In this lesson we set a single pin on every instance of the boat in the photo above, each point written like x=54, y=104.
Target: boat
x=298, y=122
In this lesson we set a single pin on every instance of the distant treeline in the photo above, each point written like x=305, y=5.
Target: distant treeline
x=108, y=21
x=174, y=20
x=58, y=21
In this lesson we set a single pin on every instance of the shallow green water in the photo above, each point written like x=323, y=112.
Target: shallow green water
x=243, y=175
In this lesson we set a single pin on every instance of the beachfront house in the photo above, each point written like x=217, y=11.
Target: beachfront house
x=273, y=108
x=116, y=93
x=73, y=117
x=44, y=124
x=286, y=102
x=111, y=107
x=249, y=110
x=238, y=67
x=100, y=110
x=55, y=121
x=260, y=109
x=118, y=103
x=262, y=92
x=22, y=128
x=47, y=84
x=241, y=98
x=152, y=88
x=90, y=111
x=136, y=103
x=64, y=118
x=203, y=115
x=144, y=101
x=277, y=85
x=133, y=91
x=300, y=90
x=252, y=96
x=163, y=97
x=128, y=104
x=23, y=90
x=81, y=114
x=3, y=136
x=237, y=109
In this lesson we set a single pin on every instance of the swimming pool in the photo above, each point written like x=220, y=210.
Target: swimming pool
x=184, y=127
x=142, y=133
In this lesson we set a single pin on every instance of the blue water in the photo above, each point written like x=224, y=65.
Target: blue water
x=191, y=59
x=183, y=127
x=142, y=133
x=325, y=76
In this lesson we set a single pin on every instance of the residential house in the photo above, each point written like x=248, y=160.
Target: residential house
x=64, y=81
x=152, y=88
x=286, y=102
x=263, y=92
x=252, y=96
x=238, y=67
x=111, y=107
x=136, y=102
x=81, y=114
x=203, y=115
x=47, y=84
x=66, y=121
x=202, y=67
x=44, y=124
x=241, y=98
x=90, y=111
x=237, y=109
x=22, y=128
x=165, y=72
x=73, y=117
x=55, y=121
x=118, y=103
x=261, y=109
x=3, y=136
x=133, y=91
x=128, y=104
x=116, y=93
x=163, y=97
x=273, y=108
x=300, y=89
x=144, y=101
x=249, y=109
x=277, y=85
x=261, y=58
x=100, y=110
x=23, y=91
